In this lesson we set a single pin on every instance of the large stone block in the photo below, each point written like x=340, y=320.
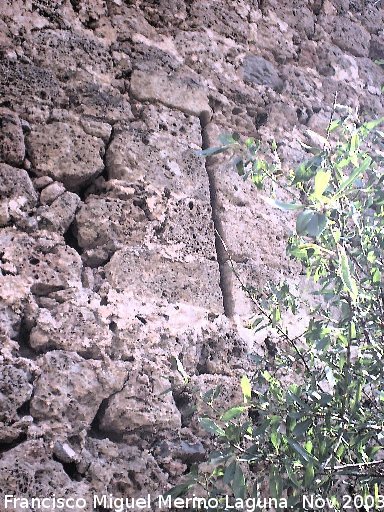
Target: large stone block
x=149, y=273
x=70, y=389
x=72, y=326
x=44, y=261
x=173, y=93
x=12, y=147
x=160, y=153
x=66, y=153
x=144, y=404
x=17, y=194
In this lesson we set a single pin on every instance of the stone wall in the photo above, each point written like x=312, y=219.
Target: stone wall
x=109, y=263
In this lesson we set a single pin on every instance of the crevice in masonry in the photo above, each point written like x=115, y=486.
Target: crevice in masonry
x=25, y=349
x=222, y=256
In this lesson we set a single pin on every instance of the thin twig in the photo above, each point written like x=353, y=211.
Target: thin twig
x=356, y=465
x=262, y=310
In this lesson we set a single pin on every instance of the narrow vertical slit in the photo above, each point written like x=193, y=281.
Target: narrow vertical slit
x=221, y=254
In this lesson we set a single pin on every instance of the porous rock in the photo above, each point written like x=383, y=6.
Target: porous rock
x=60, y=214
x=66, y=153
x=172, y=93
x=258, y=70
x=144, y=404
x=12, y=148
x=70, y=390
x=43, y=261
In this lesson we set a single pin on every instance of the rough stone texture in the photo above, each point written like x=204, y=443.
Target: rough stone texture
x=158, y=87
x=12, y=148
x=17, y=195
x=152, y=274
x=258, y=70
x=108, y=264
x=70, y=390
x=60, y=214
x=51, y=192
x=44, y=261
x=144, y=404
x=75, y=325
x=66, y=153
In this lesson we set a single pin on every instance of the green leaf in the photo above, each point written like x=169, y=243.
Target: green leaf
x=345, y=273
x=321, y=183
x=284, y=206
x=354, y=143
x=212, y=394
x=180, y=489
x=303, y=454
x=333, y=125
x=308, y=169
x=246, y=388
x=238, y=483
x=229, y=473
x=310, y=223
x=301, y=427
x=353, y=176
x=233, y=412
x=212, y=151
x=211, y=427
x=309, y=475
x=275, y=439
x=275, y=483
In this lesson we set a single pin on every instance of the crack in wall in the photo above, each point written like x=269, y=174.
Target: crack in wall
x=222, y=256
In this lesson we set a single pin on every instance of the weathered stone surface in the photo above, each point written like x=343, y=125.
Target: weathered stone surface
x=44, y=261
x=118, y=222
x=258, y=70
x=96, y=128
x=376, y=47
x=70, y=390
x=60, y=214
x=66, y=153
x=99, y=100
x=17, y=194
x=12, y=148
x=161, y=153
x=143, y=404
x=149, y=273
x=64, y=51
x=349, y=36
x=51, y=192
x=94, y=312
x=15, y=390
x=36, y=474
x=74, y=326
x=28, y=86
x=172, y=93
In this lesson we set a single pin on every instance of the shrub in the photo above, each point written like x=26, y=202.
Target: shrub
x=323, y=434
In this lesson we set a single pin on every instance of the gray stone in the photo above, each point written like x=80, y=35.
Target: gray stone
x=70, y=390
x=349, y=36
x=60, y=214
x=159, y=87
x=16, y=192
x=74, y=326
x=134, y=408
x=12, y=148
x=260, y=71
x=15, y=390
x=66, y=153
x=161, y=153
x=51, y=192
x=43, y=261
x=149, y=274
